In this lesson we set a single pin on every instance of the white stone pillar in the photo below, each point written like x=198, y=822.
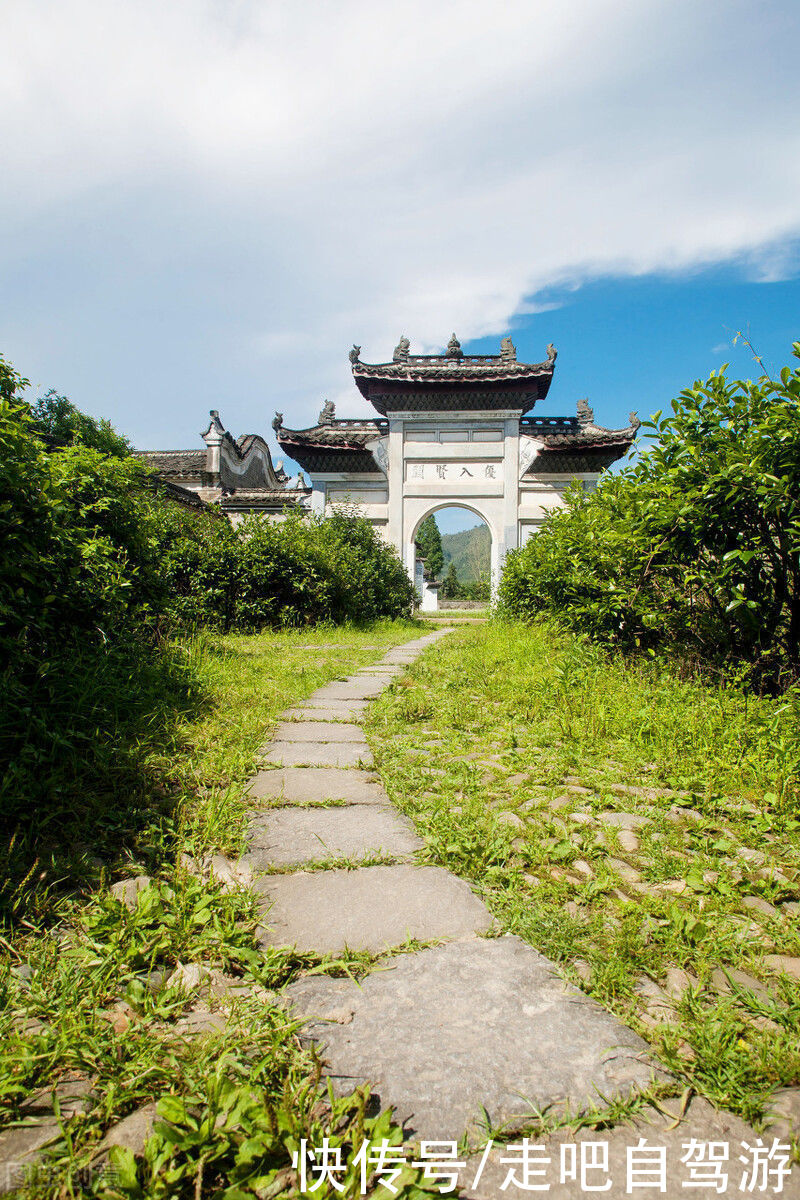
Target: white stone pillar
x=318, y=498
x=511, y=485
x=395, y=480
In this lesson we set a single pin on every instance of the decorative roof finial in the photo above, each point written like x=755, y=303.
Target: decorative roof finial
x=401, y=350
x=277, y=422
x=633, y=420
x=328, y=414
x=454, y=348
x=354, y=353
x=508, y=351
x=552, y=353
x=585, y=413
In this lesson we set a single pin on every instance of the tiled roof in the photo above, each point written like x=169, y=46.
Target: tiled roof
x=337, y=435
x=438, y=368
x=180, y=495
x=174, y=462
x=433, y=382
x=565, y=433
x=265, y=495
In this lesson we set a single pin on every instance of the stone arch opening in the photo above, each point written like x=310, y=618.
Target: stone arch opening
x=470, y=560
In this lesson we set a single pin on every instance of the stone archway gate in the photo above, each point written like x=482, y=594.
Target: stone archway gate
x=453, y=429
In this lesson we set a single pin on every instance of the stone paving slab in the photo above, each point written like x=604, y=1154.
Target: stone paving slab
x=488, y=1022
x=296, y=835
x=22, y=1145
x=387, y=669
x=348, y=709
x=355, y=688
x=318, y=731
x=319, y=754
x=343, y=712
x=701, y=1121
x=315, y=785
x=372, y=908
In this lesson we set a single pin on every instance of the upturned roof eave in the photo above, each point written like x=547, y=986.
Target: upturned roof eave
x=534, y=378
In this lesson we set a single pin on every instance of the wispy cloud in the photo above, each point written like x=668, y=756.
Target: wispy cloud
x=206, y=203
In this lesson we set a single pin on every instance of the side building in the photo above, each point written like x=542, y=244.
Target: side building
x=237, y=474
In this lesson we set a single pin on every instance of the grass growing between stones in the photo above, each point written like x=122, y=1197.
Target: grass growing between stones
x=109, y=1009
x=639, y=829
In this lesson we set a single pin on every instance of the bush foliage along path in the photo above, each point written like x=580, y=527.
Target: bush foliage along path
x=454, y=1023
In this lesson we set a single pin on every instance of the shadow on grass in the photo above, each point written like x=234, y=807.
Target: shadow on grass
x=83, y=742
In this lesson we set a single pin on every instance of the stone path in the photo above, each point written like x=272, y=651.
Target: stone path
x=471, y=1021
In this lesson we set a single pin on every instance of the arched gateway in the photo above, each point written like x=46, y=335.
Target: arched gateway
x=453, y=429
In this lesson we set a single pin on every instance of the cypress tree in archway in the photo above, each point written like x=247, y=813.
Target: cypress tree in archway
x=429, y=542
x=451, y=586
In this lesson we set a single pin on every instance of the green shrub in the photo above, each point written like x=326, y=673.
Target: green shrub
x=296, y=571
x=59, y=423
x=697, y=545
x=97, y=565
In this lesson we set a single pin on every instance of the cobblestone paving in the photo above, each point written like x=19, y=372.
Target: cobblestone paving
x=457, y=1021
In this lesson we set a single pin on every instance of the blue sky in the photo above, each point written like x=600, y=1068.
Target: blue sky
x=203, y=204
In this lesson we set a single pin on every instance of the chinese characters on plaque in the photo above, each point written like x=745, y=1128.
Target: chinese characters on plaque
x=454, y=471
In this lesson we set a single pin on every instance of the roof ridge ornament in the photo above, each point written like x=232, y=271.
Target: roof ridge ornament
x=328, y=414
x=585, y=413
x=508, y=351
x=277, y=422
x=454, y=348
x=354, y=354
x=552, y=353
x=401, y=350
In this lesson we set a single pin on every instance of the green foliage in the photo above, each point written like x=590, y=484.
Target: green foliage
x=12, y=384
x=225, y=1138
x=60, y=424
x=478, y=589
x=97, y=567
x=470, y=550
x=451, y=588
x=429, y=544
x=296, y=571
x=697, y=545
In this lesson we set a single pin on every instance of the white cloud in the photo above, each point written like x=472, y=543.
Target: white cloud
x=225, y=195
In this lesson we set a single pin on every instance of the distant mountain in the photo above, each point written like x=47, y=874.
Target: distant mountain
x=470, y=551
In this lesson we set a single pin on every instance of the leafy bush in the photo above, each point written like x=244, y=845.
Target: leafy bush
x=97, y=564
x=59, y=423
x=697, y=545
x=297, y=571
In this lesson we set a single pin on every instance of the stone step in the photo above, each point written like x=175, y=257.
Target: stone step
x=318, y=754
x=296, y=835
x=345, y=710
x=354, y=688
x=315, y=785
x=388, y=672
x=340, y=713
x=371, y=908
x=484, y=1023
x=318, y=731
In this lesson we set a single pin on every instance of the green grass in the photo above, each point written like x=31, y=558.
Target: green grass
x=83, y=979
x=481, y=745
